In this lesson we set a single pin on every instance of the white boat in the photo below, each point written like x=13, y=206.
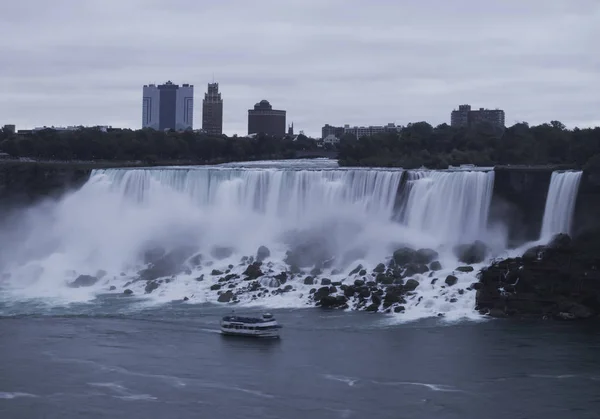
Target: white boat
x=265, y=326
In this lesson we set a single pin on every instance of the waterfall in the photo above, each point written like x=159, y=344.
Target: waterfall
x=452, y=206
x=560, y=203
x=330, y=219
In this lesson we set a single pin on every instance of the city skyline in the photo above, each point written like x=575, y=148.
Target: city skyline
x=321, y=61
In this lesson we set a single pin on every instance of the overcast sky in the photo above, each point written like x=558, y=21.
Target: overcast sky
x=73, y=62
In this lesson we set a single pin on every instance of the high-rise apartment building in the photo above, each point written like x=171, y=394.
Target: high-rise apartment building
x=264, y=119
x=212, y=110
x=465, y=117
x=168, y=106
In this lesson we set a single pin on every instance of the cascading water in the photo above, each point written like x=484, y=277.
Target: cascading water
x=560, y=203
x=451, y=206
x=339, y=218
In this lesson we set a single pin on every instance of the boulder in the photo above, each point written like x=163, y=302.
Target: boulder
x=225, y=297
x=399, y=309
x=404, y=256
x=151, y=286
x=426, y=256
x=325, y=281
x=282, y=277
x=372, y=308
x=262, y=253
x=411, y=285
x=216, y=272
x=215, y=287
x=359, y=283
x=253, y=271
x=333, y=302
x=465, y=269
x=309, y=280
x=128, y=292
x=475, y=252
x=112, y=288
x=435, y=266
x=83, y=281
x=321, y=293
x=451, y=280
x=560, y=242
x=379, y=268
x=413, y=269
x=356, y=270
x=363, y=272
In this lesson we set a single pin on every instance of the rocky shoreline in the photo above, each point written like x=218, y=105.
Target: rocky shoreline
x=560, y=280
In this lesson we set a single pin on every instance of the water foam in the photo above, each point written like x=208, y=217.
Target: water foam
x=350, y=216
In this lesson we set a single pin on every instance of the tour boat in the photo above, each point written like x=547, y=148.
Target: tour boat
x=265, y=326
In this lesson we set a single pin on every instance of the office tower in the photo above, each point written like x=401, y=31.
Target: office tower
x=212, y=110
x=168, y=107
x=264, y=119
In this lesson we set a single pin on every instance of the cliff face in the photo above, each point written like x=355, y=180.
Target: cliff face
x=519, y=200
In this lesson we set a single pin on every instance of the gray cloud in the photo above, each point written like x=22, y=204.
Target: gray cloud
x=70, y=62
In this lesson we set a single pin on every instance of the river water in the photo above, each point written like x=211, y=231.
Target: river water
x=106, y=362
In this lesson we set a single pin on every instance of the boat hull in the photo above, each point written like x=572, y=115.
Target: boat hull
x=251, y=334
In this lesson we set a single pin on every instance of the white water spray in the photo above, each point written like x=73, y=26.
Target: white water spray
x=560, y=203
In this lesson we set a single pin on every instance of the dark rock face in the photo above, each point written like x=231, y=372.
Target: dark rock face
x=471, y=253
x=333, y=302
x=83, y=281
x=560, y=280
x=262, y=253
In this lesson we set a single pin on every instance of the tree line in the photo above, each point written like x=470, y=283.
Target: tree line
x=147, y=145
x=420, y=144
x=416, y=145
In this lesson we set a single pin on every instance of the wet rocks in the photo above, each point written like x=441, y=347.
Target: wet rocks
x=83, y=281
x=451, y=280
x=404, y=256
x=379, y=268
x=262, y=253
x=225, y=297
x=475, y=252
x=325, y=281
x=128, y=292
x=356, y=270
x=253, y=271
x=413, y=269
x=333, y=302
x=411, y=285
x=309, y=280
x=435, y=266
x=560, y=280
x=215, y=287
x=151, y=286
x=425, y=256
x=465, y=269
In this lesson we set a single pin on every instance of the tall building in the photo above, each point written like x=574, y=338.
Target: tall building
x=264, y=119
x=465, y=117
x=212, y=110
x=168, y=106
